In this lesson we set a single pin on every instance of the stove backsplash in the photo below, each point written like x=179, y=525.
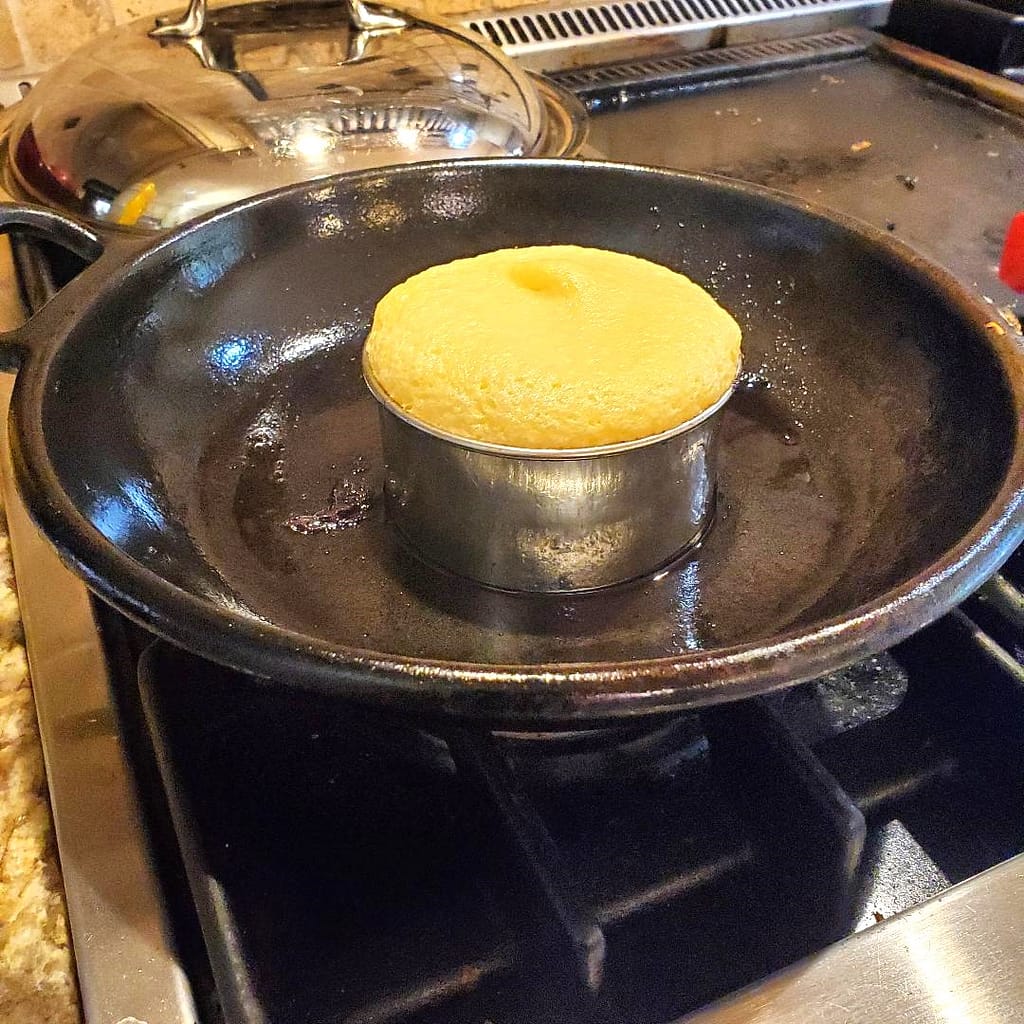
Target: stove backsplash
x=37, y=34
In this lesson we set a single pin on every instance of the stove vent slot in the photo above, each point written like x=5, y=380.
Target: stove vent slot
x=727, y=61
x=538, y=34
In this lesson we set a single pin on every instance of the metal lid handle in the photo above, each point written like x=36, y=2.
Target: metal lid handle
x=188, y=26
x=364, y=17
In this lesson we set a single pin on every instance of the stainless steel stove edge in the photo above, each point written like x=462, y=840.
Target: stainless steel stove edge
x=127, y=968
x=956, y=959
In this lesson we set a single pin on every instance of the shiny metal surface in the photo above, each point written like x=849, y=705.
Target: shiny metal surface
x=565, y=35
x=364, y=17
x=146, y=132
x=554, y=521
x=956, y=959
x=190, y=24
x=127, y=969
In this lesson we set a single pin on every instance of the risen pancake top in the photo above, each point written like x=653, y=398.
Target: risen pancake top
x=552, y=347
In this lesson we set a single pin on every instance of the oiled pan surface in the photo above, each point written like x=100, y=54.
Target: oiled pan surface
x=211, y=422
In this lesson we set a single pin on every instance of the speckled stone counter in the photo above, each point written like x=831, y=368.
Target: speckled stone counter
x=37, y=977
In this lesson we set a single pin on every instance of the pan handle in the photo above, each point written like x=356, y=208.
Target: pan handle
x=45, y=224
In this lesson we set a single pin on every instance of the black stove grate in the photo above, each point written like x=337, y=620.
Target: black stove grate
x=349, y=866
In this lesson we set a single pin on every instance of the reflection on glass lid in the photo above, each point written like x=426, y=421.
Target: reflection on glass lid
x=147, y=128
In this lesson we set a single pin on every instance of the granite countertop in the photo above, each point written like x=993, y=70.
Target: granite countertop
x=37, y=975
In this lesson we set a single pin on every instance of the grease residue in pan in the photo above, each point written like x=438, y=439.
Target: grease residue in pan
x=825, y=484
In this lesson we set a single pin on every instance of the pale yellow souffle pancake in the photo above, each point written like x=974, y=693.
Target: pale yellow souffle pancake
x=552, y=347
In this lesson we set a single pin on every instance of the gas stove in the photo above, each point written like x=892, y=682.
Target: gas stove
x=848, y=850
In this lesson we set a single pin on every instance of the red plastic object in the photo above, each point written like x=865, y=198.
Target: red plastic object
x=1011, y=265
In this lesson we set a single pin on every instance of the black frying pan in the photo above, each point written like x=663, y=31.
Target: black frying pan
x=192, y=431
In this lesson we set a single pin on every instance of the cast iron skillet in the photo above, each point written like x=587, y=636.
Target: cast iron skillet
x=191, y=430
